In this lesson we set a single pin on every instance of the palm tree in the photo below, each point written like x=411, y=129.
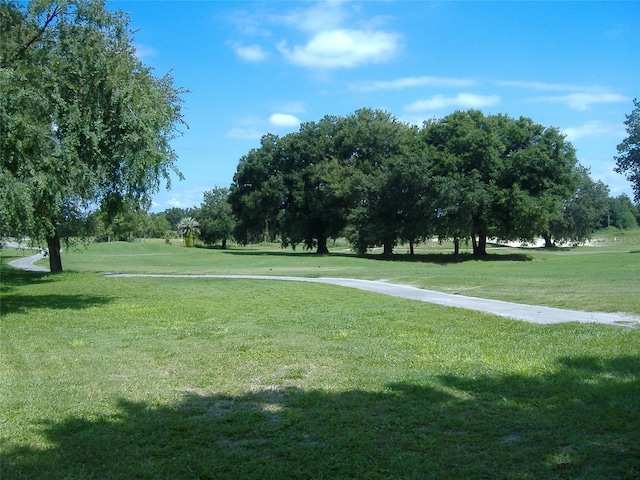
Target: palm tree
x=188, y=227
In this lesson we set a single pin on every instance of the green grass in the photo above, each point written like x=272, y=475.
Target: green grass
x=604, y=278
x=116, y=378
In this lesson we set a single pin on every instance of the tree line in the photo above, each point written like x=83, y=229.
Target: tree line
x=380, y=182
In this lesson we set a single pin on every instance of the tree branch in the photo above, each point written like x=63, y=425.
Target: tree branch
x=50, y=18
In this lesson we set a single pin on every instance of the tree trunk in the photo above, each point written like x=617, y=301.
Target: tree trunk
x=456, y=245
x=55, y=260
x=387, y=248
x=480, y=245
x=224, y=243
x=410, y=247
x=548, y=241
x=322, y=245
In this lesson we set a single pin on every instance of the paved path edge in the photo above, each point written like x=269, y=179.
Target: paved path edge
x=528, y=313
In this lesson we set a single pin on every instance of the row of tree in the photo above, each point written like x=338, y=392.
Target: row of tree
x=379, y=182
x=213, y=221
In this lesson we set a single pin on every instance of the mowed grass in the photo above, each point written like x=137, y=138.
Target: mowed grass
x=605, y=277
x=121, y=378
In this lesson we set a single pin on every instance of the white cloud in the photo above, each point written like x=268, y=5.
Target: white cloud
x=325, y=15
x=284, y=120
x=251, y=53
x=595, y=128
x=144, y=51
x=562, y=87
x=583, y=100
x=334, y=36
x=462, y=100
x=343, y=48
x=411, y=82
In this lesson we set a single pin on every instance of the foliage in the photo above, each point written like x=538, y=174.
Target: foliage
x=84, y=123
x=317, y=199
x=257, y=193
x=581, y=214
x=389, y=176
x=466, y=176
x=175, y=214
x=131, y=222
x=621, y=213
x=628, y=159
x=215, y=217
x=499, y=177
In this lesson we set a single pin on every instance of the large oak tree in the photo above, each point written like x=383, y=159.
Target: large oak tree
x=83, y=123
x=498, y=177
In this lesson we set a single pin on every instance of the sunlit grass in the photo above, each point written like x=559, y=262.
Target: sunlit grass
x=604, y=277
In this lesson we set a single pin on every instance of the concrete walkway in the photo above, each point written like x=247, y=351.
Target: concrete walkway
x=528, y=313
x=27, y=263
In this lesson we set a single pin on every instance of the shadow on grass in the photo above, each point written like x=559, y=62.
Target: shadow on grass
x=22, y=303
x=439, y=258
x=580, y=420
x=13, y=278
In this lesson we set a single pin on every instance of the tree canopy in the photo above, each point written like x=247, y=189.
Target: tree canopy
x=500, y=177
x=215, y=217
x=379, y=181
x=628, y=160
x=83, y=123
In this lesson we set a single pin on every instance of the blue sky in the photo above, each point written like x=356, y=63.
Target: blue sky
x=257, y=67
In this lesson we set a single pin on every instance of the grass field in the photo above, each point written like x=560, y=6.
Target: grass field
x=604, y=278
x=114, y=378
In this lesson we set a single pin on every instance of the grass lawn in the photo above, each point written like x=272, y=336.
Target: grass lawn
x=603, y=278
x=114, y=378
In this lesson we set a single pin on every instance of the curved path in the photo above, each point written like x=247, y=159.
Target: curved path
x=27, y=263
x=528, y=313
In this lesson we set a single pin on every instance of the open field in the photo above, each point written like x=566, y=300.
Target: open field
x=603, y=278
x=117, y=378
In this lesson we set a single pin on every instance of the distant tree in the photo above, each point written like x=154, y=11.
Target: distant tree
x=83, y=123
x=540, y=172
x=317, y=196
x=621, y=212
x=394, y=205
x=472, y=153
x=189, y=228
x=215, y=217
x=381, y=155
x=498, y=177
x=158, y=225
x=582, y=213
x=628, y=159
x=175, y=214
x=131, y=222
x=257, y=193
